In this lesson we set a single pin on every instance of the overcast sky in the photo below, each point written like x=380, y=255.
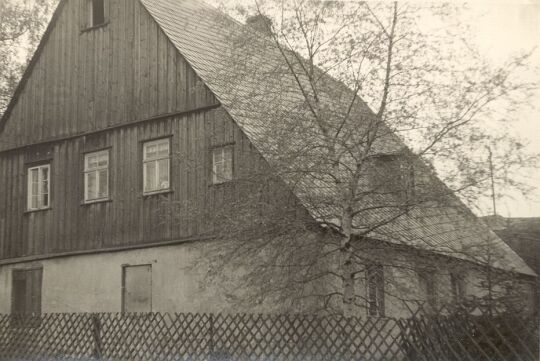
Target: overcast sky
x=502, y=29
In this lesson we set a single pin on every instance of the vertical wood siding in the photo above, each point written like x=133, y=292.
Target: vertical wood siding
x=129, y=218
x=88, y=80
x=97, y=89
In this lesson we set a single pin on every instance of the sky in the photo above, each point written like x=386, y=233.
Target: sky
x=502, y=29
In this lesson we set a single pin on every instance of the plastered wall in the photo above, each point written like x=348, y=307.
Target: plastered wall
x=93, y=283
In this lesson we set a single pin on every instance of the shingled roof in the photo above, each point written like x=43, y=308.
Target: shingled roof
x=248, y=74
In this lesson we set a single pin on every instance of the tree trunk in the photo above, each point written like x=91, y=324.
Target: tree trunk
x=347, y=271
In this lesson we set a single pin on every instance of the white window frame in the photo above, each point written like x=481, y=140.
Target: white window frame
x=97, y=170
x=39, y=204
x=156, y=160
x=220, y=174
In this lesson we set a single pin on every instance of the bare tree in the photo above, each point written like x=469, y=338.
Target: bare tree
x=340, y=89
x=21, y=26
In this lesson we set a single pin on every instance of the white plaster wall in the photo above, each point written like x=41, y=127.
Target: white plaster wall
x=93, y=283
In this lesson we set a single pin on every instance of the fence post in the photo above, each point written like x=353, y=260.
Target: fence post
x=212, y=350
x=96, y=331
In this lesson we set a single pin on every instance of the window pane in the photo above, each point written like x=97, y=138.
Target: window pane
x=375, y=289
x=92, y=162
x=35, y=177
x=150, y=151
x=103, y=160
x=34, y=201
x=19, y=293
x=91, y=184
x=44, y=187
x=218, y=155
x=163, y=174
x=218, y=172
x=35, y=188
x=227, y=154
x=26, y=291
x=97, y=160
x=222, y=166
x=98, y=12
x=137, y=282
x=427, y=281
x=45, y=184
x=103, y=183
x=156, y=173
x=163, y=149
x=96, y=182
x=215, y=162
x=150, y=176
x=38, y=187
x=227, y=166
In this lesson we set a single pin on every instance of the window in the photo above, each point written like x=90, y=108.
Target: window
x=222, y=164
x=408, y=179
x=96, y=12
x=375, y=289
x=457, y=283
x=429, y=289
x=137, y=288
x=39, y=187
x=96, y=176
x=395, y=174
x=26, y=292
x=156, y=165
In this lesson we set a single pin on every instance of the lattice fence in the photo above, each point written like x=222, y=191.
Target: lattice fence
x=208, y=337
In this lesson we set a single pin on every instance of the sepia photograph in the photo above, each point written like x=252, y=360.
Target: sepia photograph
x=269, y=180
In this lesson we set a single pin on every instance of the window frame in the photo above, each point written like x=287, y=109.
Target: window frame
x=222, y=149
x=29, y=183
x=86, y=171
x=125, y=267
x=403, y=184
x=91, y=7
x=407, y=178
x=375, y=290
x=457, y=286
x=156, y=160
x=26, y=272
x=428, y=283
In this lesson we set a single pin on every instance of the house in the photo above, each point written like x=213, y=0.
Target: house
x=523, y=236
x=127, y=106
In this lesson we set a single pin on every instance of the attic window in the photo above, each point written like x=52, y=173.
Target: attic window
x=394, y=173
x=96, y=12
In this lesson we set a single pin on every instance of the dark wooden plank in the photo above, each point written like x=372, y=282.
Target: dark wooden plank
x=108, y=77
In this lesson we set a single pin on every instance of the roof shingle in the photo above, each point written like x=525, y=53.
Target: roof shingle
x=251, y=80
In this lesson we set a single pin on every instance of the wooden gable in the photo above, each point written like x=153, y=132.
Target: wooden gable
x=83, y=80
x=114, y=86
